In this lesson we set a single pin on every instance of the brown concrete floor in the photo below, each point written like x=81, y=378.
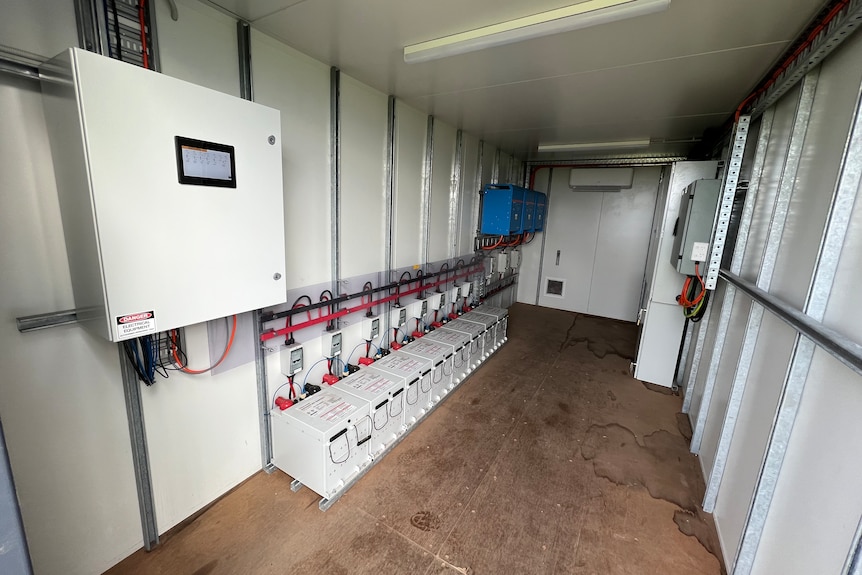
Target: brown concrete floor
x=550, y=459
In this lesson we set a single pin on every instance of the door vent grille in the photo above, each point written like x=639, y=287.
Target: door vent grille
x=555, y=287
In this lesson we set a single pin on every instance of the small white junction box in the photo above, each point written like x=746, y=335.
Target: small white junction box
x=415, y=372
x=460, y=343
x=158, y=177
x=322, y=441
x=441, y=356
x=385, y=395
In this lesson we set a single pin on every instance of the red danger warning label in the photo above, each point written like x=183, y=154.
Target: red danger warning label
x=135, y=324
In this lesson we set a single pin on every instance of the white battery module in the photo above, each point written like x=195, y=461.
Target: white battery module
x=441, y=356
x=323, y=441
x=415, y=372
x=385, y=395
x=460, y=343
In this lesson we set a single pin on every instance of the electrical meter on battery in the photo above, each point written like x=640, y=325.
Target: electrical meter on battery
x=456, y=294
x=332, y=343
x=399, y=317
x=291, y=360
x=370, y=328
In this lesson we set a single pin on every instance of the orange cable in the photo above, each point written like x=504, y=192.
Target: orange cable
x=200, y=371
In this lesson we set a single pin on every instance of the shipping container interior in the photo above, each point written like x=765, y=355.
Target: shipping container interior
x=273, y=241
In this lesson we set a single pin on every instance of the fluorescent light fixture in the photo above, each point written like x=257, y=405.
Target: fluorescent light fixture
x=575, y=17
x=592, y=146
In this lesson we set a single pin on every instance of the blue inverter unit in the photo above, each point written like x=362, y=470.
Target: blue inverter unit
x=539, y=218
x=503, y=210
x=529, y=218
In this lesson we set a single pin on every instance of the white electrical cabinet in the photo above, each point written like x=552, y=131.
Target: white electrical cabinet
x=171, y=196
x=660, y=317
x=460, y=343
x=323, y=441
x=385, y=396
x=441, y=356
x=415, y=372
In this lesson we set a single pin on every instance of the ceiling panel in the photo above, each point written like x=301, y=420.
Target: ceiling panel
x=698, y=58
x=609, y=96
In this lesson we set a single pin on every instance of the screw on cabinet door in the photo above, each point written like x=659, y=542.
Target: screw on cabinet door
x=271, y=140
x=276, y=276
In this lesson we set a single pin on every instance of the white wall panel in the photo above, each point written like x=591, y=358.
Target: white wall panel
x=817, y=503
x=531, y=253
x=441, y=191
x=61, y=399
x=470, y=188
x=202, y=431
x=488, y=153
x=200, y=47
x=831, y=115
x=765, y=378
x=299, y=87
x=410, y=132
x=364, y=120
x=41, y=27
x=776, y=153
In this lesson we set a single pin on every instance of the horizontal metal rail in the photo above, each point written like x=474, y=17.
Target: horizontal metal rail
x=46, y=320
x=840, y=347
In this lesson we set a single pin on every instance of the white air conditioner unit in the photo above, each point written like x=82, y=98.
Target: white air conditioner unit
x=601, y=179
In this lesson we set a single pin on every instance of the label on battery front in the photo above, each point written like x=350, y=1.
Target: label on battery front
x=403, y=364
x=369, y=382
x=136, y=324
x=328, y=407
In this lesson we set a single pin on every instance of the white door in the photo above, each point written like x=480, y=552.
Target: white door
x=596, y=246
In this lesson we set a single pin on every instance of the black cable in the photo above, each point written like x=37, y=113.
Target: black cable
x=117, y=30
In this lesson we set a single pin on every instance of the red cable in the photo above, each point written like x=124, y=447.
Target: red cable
x=792, y=58
x=142, y=21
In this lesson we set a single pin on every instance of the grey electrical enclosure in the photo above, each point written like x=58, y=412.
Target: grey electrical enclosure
x=694, y=225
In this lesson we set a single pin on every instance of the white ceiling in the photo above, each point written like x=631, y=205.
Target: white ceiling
x=666, y=76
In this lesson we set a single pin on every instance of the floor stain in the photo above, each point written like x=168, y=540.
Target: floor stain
x=206, y=569
x=700, y=526
x=684, y=426
x=661, y=464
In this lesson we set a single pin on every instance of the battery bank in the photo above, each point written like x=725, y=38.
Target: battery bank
x=323, y=441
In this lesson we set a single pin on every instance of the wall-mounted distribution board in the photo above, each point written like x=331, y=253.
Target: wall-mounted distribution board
x=694, y=226
x=168, y=191
x=323, y=441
